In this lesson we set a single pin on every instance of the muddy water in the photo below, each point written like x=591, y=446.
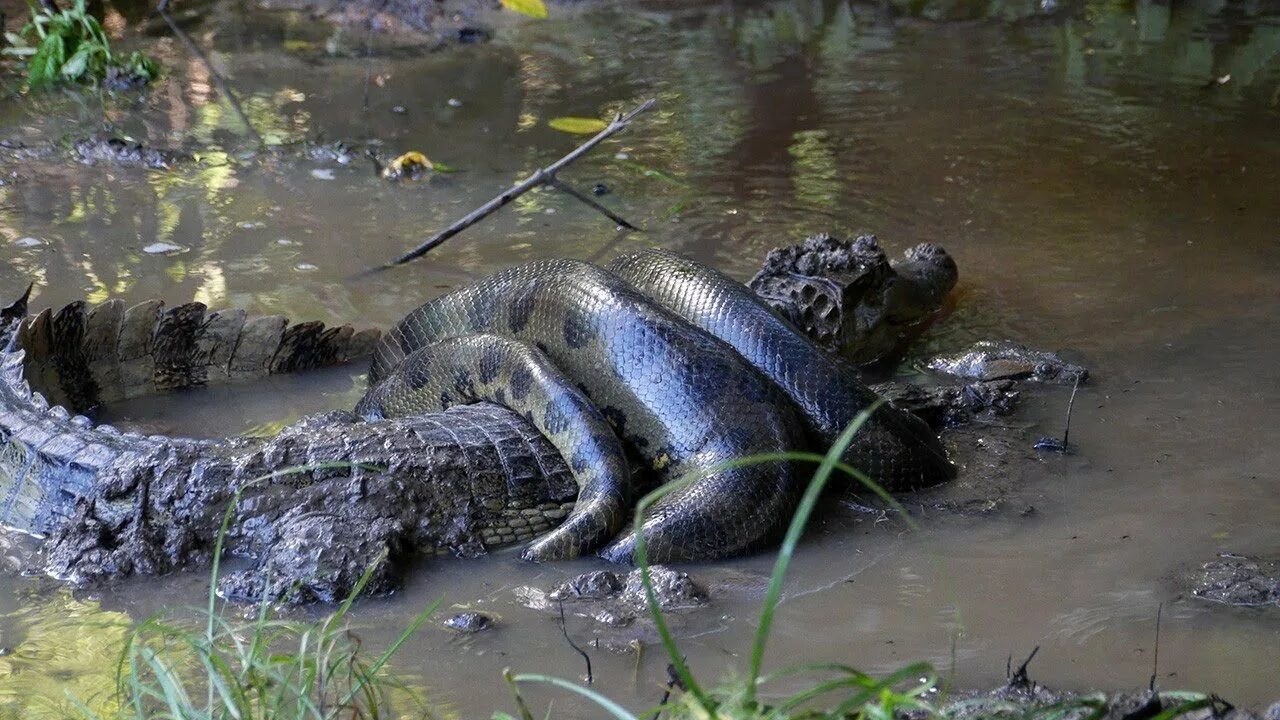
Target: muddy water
x=1106, y=180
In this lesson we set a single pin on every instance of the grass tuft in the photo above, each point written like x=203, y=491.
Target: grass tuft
x=224, y=668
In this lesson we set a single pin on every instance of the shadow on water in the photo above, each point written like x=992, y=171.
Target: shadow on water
x=1104, y=173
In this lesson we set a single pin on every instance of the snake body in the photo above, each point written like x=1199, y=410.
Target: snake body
x=686, y=366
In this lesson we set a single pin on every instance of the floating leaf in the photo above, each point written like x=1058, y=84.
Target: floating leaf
x=578, y=125
x=411, y=165
x=532, y=8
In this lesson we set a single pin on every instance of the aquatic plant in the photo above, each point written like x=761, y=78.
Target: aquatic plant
x=69, y=45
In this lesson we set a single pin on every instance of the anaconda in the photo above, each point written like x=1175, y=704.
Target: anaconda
x=473, y=478
x=692, y=370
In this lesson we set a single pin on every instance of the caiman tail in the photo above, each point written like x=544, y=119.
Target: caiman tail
x=118, y=503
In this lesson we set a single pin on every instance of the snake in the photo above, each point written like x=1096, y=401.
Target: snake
x=653, y=369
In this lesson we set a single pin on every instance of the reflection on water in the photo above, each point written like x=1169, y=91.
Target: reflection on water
x=66, y=656
x=1104, y=173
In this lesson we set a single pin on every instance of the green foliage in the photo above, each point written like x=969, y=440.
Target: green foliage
x=70, y=46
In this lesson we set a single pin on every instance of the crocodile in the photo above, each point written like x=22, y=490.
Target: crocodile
x=464, y=480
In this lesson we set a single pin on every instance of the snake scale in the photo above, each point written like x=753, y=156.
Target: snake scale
x=650, y=369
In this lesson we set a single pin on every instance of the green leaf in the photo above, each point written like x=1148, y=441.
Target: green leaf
x=532, y=8
x=578, y=125
x=75, y=67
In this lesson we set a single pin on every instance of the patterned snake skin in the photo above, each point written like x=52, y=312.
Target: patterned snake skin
x=686, y=367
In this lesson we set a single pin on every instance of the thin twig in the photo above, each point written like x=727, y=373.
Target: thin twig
x=564, y=187
x=1070, y=404
x=541, y=176
x=565, y=631
x=218, y=81
x=1020, y=678
x=1155, y=661
x=368, y=54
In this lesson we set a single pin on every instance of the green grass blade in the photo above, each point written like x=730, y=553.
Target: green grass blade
x=614, y=709
x=798, y=522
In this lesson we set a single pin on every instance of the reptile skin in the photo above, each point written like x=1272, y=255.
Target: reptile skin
x=689, y=371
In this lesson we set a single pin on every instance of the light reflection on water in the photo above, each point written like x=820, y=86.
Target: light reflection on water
x=1101, y=189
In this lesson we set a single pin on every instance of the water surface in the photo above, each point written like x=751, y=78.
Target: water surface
x=1106, y=179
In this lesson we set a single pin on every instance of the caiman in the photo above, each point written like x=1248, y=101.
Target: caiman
x=461, y=474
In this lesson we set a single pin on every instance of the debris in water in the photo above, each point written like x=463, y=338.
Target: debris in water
x=322, y=174
x=600, y=189
x=305, y=267
x=251, y=224
x=469, y=622
x=163, y=248
x=409, y=166
x=455, y=102
x=398, y=109
x=28, y=241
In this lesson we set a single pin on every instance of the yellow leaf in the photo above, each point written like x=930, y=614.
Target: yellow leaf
x=410, y=165
x=578, y=125
x=532, y=8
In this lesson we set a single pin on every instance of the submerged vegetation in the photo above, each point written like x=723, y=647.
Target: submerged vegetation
x=70, y=45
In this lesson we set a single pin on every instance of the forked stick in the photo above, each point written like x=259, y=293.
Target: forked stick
x=541, y=176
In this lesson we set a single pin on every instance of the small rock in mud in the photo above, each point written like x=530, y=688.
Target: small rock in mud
x=1001, y=359
x=617, y=601
x=336, y=152
x=126, y=153
x=1051, y=445
x=946, y=406
x=120, y=79
x=1238, y=580
x=590, y=585
x=469, y=622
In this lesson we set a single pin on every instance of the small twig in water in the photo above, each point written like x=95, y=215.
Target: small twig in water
x=1052, y=444
x=1020, y=678
x=163, y=10
x=1066, y=433
x=565, y=631
x=541, y=176
x=673, y=681
x=1155, y=661
x=564, y=187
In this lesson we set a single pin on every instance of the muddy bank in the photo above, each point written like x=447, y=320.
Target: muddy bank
x=423, y=24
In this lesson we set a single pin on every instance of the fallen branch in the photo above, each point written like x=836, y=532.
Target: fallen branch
x=542, y=176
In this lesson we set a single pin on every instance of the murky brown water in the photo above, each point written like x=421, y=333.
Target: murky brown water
x=1100, y=189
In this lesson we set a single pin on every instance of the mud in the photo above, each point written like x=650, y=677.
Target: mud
x=1237, y=580
x=424, y=24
